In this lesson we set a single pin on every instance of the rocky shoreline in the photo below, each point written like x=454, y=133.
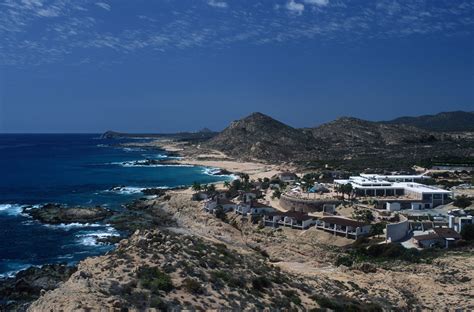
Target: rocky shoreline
x=16, y=293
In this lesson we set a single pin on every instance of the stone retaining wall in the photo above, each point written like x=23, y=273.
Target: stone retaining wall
x=398, y=231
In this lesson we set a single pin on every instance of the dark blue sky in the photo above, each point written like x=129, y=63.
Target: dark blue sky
x=169, y=65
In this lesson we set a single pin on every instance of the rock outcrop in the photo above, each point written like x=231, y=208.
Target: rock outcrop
x=57, y=214
x=29, y=284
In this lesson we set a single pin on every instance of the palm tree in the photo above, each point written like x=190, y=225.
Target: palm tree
x=211, y=188
x=196, y=187
x=227, y=184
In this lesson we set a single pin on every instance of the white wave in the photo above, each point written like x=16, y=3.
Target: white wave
x=160, y=156
x=145, y=164
x=126, y=190
x=213, y=171
x=74, y=225
x=90, y=239
x=11, y=209
x=130, y=190
x=133, y=149
x=18, y=268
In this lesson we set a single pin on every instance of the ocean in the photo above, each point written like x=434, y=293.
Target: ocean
x=72, y=169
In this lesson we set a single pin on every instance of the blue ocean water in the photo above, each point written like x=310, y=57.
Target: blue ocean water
x=71, y=169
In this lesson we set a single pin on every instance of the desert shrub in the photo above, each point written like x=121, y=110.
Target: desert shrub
x=153, y=279
x=292, y=295
x=157, y=302
x=276, y=194
x=260, y=283
x=344, y=260
x=220, y=214
x=462, y=202
x=344, y=304
x=192, y=286
x=227, y=278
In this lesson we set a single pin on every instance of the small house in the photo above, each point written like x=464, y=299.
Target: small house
x=344, y=226
x=288, y=177
x=212, y=204
x=253, y=208
x=437, y=237
x=291, y=219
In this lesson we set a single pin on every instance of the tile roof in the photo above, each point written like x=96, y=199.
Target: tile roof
x=343, y=221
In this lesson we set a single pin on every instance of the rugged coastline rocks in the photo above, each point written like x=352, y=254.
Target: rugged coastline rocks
x=57, y=214
x=28, y=285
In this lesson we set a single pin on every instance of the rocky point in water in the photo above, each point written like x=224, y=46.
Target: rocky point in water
x=57, y=214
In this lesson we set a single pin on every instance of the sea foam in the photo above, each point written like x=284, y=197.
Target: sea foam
x=145, y=164
x=11, y=209
x=90, y=239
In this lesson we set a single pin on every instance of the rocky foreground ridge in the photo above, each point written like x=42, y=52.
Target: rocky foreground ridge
x=194, y=260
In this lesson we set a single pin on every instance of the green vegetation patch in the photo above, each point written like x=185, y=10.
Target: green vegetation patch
x=344, y=304
x=154, y=279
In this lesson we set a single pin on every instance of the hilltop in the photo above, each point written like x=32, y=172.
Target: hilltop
x=446, y=121
x=259, y=136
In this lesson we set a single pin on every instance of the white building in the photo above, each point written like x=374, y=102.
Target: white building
x=458, y=223
x=253, y=208
x=293, y=219
x=411, y=192
x=347, y=227
x=397, y=178
x=212, y=204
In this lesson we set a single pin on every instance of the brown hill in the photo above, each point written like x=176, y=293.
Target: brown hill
x=262, y=137
x=346, y=139
x=353, y=132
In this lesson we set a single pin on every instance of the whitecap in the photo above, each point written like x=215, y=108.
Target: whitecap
x=11, y=209
x=126, y=190
x=90, y=238
x=145, y=164
x=75, y=225
x=213, y=171
x=132, y=149
x=17, y=267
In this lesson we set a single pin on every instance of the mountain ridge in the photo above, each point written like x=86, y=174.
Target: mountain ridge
x=441, y=122
x=261, y=137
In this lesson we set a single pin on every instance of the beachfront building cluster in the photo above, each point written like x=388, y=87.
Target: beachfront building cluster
x=398, y=191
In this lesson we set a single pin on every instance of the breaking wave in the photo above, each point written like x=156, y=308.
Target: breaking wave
x=91, y=238
x=146, y=163
x=11, y=209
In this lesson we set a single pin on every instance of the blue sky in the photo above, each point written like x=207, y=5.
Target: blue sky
x=172, y=65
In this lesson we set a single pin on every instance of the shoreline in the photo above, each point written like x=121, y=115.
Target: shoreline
x=10, y=277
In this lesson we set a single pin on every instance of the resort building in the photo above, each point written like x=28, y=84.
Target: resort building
x=344, y=226
x=457, y=223
x=437, y=237
x=291, y=219
x=410, y=195
x=288, y=177
x=250, y=196
x=212, y=204
x=397, y=178
x=253, y=208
